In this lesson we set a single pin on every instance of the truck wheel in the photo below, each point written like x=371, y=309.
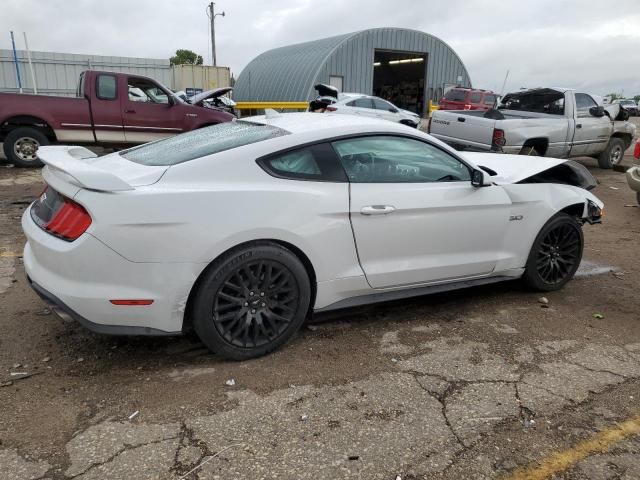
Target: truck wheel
x=612, y=155
x=530, y=150
x=21, y=146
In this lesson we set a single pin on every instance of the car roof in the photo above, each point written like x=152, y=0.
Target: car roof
x=326, y=123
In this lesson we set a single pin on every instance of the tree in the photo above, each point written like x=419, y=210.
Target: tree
x=614, y=96
x=186, y=57
x=636, y=98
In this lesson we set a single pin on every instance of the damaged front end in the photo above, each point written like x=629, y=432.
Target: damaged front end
x=566, y=173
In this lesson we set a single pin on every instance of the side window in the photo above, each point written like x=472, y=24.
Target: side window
x=489, y=99
x=389, y=159
x=476, y=97
x=315, y=162
x=106, y=87
x=363, y=102
x=583, y=103
x=145, y=91
x=380, y=104
x=80, y=89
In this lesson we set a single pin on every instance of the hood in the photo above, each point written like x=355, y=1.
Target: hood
x=505, y=169
x=209, y=94
x=408, y=112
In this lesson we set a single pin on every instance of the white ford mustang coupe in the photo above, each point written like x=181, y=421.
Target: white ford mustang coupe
x=241, y=230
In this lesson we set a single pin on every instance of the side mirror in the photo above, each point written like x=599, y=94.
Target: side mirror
x=597, y=111
x=393, y=110
x=172, y=100
x=478, y=179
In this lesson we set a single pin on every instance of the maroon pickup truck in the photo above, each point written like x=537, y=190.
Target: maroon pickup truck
x=110, y=109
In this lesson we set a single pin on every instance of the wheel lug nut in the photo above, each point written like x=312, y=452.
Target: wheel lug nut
x=251, y=293
x=263, y=304
x=246, y=304
x=262, y=294
x=253, y=311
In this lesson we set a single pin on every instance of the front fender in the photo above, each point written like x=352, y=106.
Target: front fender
x=533, y=205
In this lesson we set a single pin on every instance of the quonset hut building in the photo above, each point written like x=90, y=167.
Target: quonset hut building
x=406, y=67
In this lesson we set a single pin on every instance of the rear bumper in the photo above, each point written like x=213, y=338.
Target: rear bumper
x=80, y=278
x=66, y=312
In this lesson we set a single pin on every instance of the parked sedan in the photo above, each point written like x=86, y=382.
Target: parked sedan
x=331, y=101
x=241, y=230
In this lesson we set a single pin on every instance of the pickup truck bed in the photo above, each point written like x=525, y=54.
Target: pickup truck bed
x=546, y=122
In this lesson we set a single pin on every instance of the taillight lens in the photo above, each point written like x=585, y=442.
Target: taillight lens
x=60, y=215
x=498, y=139
x=636, y=150
x=467, y=106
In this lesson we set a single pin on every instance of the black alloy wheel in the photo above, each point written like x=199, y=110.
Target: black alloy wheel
x=559, y=251
x=251, y=301
x=556, y=253
x=255, y=304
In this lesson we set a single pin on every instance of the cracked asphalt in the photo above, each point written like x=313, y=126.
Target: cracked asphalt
x=477, y=384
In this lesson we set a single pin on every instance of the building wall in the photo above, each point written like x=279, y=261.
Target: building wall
x=57, y=73
x=289, y=73
x=200, y=77
x=353, y=60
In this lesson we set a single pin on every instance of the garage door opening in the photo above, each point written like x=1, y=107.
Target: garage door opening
x=400, y=77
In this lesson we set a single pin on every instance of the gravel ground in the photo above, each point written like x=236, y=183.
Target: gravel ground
x=479, y=383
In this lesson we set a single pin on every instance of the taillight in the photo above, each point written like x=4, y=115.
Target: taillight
x=498, y=140
x=636, y=150
x=331, y=109
x=60, y=215
x=467, y=106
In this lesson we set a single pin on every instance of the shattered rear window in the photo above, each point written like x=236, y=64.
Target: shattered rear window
x=202, y=142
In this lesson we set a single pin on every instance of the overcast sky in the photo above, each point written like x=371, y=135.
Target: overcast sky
x=592, y=45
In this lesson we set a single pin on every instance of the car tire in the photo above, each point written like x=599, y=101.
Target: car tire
x=613, y=154
x=251, y=301
x=21, y=146
x=556, y=254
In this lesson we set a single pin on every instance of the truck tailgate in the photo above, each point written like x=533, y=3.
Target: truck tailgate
x=467, y=129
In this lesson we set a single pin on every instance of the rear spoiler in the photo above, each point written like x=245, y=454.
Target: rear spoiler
x=71, y=161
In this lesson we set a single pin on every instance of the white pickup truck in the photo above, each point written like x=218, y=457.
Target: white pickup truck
x=552, y=122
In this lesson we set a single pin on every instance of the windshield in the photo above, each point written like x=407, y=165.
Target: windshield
x=628, y=102
x=200, y=143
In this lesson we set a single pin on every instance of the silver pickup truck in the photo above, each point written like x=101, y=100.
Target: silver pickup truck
x=551, y=122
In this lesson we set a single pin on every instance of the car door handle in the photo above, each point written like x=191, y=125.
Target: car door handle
x=129, y=111
x=462, y=119
x=579, y=125
x=377, y=210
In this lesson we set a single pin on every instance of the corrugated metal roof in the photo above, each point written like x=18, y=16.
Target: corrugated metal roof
x=289, y=73
x=284, y=73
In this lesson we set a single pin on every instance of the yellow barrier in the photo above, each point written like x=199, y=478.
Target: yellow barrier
x=432, y=107
x=274, y=105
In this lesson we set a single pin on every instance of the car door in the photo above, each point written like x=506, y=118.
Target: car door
x=385, y=110
x=105, y=108
x=415, y=215
x=147, y=112
x=363, y=106
x=591, y=133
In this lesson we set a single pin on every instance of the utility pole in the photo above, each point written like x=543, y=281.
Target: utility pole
x=212, y=18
